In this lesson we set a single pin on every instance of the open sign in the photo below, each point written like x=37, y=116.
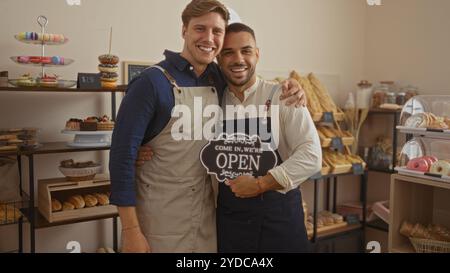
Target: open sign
x=233, y=155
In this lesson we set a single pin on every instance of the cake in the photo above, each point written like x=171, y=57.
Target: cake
x=89, y=124
x=105, y=124
x=73, y=124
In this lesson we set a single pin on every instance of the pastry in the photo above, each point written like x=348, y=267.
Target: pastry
x=56, y=205
x=105, y=124
x=337, y=218
x=109, y=77
x=9, y=214
x=108, y=59
x=77, y=201
x=322, y=94
x=68, y=206
x=102, y=199
x=57, y=60
x=108, y=68
x=441, y=167
x=73, y=124
x=406, y=229
x=419, y=120
x=48, y=81
x=418, y=164
x=89, y=124
x=108, y=85
x=90, y=200
x=26, y=80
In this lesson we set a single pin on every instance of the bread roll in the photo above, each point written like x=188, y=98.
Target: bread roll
x=68, y=206
x=56, y=205
x=90, y=200
x=77, y=201
x=102, y=198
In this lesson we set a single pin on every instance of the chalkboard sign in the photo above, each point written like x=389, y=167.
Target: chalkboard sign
x=233, y=155
x=89, y=81
x=357, y=168
x=133, y=69
x=336, y=144
x=352, y=219
x=328, y=117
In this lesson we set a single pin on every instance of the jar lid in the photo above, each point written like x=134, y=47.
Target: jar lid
x=387, y=82
x=364, y=83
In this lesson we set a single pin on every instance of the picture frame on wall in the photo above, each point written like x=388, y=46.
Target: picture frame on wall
x=132, y=69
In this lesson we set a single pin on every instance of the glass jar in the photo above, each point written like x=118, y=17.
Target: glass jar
x=390, y=98
x=401, y=98
x=410, y=91
x=379, y=95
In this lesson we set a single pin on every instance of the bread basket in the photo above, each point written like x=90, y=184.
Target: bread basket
x=430, y=246
x=80, y=174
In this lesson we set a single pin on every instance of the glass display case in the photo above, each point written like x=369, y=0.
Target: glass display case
x=427, y=154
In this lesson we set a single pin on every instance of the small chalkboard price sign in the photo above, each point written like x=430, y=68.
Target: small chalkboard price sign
x=233, y=155
x=89, y=81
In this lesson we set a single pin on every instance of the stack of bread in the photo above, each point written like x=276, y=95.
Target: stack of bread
x=81, y=201
x=431, y=232
x=13, y=139
x=427, y=120
x=324, y=219
x=319, y=99
x=9, y=213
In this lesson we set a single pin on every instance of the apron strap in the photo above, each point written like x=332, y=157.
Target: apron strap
x=168, y=76
x=269, y=100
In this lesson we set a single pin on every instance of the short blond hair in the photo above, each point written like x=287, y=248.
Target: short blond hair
x=197, y=8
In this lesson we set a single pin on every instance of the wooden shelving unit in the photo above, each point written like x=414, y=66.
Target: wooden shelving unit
x=417, y=200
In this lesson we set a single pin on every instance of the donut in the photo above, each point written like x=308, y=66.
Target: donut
x=430, y=159
x=57, y=60
x=109, y=85
x=108, y=59
x=108, y=68
x=418, y=164
x=441, y=167
x=23, y=59
x=46, y=60
x=35, y=59
x=109, y=77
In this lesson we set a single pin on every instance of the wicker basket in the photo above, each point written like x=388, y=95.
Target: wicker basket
x=430, y=246
x=80, y=174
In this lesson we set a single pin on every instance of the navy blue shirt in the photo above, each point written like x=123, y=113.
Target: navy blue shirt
x=144, y=112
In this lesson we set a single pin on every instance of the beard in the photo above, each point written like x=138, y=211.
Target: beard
x=240, y=82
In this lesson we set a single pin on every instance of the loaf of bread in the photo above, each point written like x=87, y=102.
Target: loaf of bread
x=77, y=201
x=90, y=200
x=56, y=205
x=102, y=198
x=68, y=206
x=322, y=94
x=313, y=103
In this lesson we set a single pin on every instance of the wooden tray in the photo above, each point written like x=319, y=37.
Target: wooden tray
x=327, y=228
x=338, y=116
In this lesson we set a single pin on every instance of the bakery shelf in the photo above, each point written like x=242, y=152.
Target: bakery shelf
x=384, y=111
x=378, y=224
x=120, y=88
x=426, y=176
x=424, y=132
x=381, y=170
x=336, y=231
x=60, y=147
x=41, y=222
x=416, y=200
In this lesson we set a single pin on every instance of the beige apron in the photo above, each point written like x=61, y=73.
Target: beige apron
x=175, y=200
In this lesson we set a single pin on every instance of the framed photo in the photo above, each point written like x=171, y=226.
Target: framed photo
x=132, y=69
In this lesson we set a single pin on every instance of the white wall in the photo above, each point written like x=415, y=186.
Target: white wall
x=402, y=40
x=408, y=41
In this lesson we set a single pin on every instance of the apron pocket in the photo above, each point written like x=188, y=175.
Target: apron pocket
x=166, y=205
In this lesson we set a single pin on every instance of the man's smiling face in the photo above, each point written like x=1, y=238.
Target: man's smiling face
x=238, y=58
x=203, y=38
